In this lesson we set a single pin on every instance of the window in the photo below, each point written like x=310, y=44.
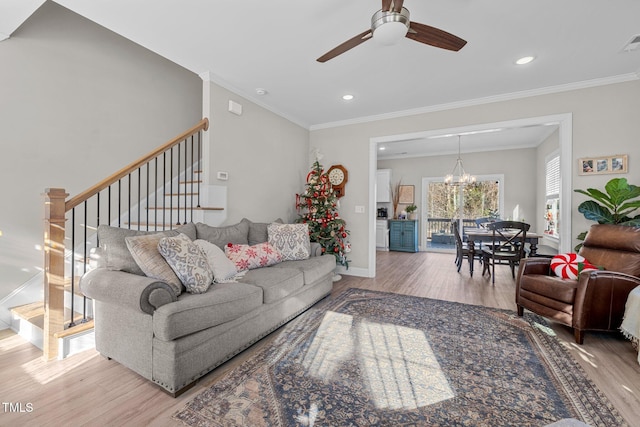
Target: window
x=552, y=196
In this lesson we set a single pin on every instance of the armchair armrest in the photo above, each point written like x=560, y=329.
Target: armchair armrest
x=130, y=290
x=601, y=297
x=535, y=266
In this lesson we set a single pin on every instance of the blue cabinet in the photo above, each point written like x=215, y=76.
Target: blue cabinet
x=403, y=235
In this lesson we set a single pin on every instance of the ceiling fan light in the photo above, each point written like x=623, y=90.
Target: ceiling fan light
x=389, y=27
x=390, y=33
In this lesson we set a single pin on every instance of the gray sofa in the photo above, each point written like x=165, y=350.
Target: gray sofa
x=172, y=339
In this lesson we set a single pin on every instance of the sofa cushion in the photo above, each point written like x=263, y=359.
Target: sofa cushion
x=220, y=236
x=291, y=240
x=144, y=250
x=258, y=231
x=188, y=262
x=224, y=270
x=275, y=283
x=247, y=257
x=221, y=303
x=313, y=268
x=116, y=256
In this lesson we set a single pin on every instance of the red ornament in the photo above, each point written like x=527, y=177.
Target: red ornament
x=344, y=235
x=336, y=249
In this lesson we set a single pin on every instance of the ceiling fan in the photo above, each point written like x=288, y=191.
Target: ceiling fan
x=390, y=24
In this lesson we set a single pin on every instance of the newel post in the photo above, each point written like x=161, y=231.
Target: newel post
x=54, y=230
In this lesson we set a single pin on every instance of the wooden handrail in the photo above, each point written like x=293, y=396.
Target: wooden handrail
x=90, y=192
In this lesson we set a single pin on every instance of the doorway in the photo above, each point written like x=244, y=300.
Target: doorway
x=442, y=203
x=564, y=123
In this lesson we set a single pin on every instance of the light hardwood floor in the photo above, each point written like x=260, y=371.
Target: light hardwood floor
x=86, y=389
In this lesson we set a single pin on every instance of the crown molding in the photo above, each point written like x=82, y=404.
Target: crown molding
x=480, y=101
x=3, y=37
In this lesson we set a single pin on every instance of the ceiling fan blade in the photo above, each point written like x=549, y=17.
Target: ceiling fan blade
x=349, y=44
x=386, y=5
x=435, y=37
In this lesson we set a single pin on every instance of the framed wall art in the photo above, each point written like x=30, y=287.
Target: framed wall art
x=602, y=165
x=406, y=194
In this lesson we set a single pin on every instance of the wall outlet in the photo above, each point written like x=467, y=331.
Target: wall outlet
x=223, y=176
x=359, y=209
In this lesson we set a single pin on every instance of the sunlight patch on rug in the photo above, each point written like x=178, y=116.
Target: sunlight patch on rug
x=400, y=367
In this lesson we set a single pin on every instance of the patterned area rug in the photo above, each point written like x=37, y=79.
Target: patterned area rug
x=381, y=359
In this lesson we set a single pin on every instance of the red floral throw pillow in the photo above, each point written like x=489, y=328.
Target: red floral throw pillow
x=569, y=266
x=247, y=257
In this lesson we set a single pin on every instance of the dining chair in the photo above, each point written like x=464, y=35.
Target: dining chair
x=507, y=246
x=462, y=250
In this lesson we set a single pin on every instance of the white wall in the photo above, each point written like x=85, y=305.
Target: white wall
x=77, y=103
x=604, y=123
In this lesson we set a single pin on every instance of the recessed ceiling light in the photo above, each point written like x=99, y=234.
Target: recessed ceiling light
x=382, y=148
x=347, y=97
x=260, y=91
x=525, y=60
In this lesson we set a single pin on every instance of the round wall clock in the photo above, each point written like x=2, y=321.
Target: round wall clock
x=338, y=176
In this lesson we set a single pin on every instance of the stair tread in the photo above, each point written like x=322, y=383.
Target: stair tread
x=195, y=208
x=34, y=313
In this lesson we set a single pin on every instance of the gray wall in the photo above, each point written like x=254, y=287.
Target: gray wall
x=265, y=155
x=77, y=103
x=604, y=123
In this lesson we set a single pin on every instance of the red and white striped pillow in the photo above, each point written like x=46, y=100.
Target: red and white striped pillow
x=569, y=265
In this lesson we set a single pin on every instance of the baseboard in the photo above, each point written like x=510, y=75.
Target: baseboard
x=358, y=272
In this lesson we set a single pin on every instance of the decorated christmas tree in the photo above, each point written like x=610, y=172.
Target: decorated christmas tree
x=318, y=207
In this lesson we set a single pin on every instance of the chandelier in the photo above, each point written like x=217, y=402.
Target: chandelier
x=458, y=176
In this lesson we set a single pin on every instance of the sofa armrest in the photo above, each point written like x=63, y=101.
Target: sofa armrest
x=126, y=289
x=316, y=249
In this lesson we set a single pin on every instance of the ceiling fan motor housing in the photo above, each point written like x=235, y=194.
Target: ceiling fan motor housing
x=388, y=27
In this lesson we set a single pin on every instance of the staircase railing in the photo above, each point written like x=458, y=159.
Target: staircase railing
x=156, y=192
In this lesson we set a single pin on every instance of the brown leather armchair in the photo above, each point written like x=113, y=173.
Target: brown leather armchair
x=594, y=302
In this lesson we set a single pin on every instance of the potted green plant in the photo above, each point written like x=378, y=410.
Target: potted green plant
x=411, y=211
x=614, y=205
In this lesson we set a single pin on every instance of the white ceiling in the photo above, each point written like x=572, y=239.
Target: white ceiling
x=248, y=44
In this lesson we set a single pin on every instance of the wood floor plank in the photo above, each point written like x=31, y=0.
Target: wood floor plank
x=87, y=389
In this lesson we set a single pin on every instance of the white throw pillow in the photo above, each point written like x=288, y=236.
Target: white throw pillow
x=188, y=262
x=291, y=240
x=224, y=270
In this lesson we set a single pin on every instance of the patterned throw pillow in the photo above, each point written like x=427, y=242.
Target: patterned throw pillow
x=247, y=257
x=224, y=270
x=291, y=240
x=144, y=250
x=188, y=262
x=569, y=266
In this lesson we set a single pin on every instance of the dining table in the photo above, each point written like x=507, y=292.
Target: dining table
x=475, y=234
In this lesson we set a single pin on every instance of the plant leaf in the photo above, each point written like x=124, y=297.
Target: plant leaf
x=629, y=205
x=633, y=222
x=620, y=191
x=598, y=195
x=594, y=212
